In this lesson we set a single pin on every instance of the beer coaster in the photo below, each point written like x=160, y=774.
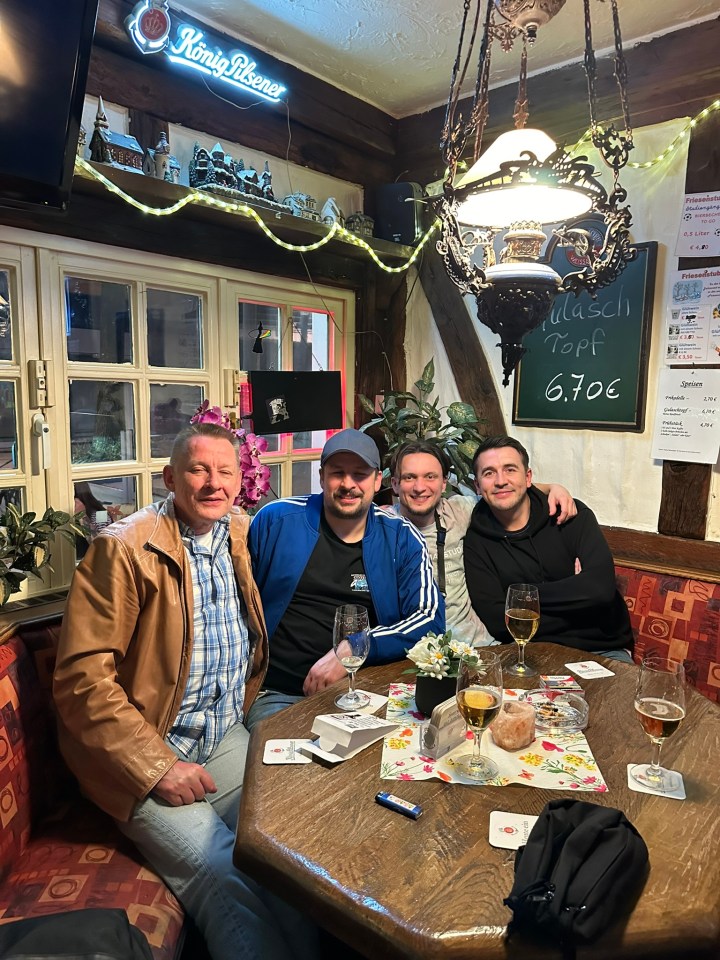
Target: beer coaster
x=677, y=794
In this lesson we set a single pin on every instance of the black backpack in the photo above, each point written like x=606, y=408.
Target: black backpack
x=580, y=870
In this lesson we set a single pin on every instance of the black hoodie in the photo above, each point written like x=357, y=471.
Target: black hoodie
x=581, y=610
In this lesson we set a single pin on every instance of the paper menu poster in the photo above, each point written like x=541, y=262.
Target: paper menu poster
x=687, y=417
x=693, y=322
x=699, y=233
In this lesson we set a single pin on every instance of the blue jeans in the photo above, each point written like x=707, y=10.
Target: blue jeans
x=622, y=655
x=268, y=703
x=191, y=847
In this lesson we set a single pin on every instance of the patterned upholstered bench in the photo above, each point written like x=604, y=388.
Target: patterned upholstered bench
x=676, y=616
x=57, y=851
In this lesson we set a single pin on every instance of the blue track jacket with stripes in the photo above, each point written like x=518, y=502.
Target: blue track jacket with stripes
x=407, y=601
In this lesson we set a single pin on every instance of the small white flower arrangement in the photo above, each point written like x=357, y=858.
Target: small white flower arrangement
x=438, y=655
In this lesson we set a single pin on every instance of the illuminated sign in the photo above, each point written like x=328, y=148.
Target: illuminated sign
x=150, y=29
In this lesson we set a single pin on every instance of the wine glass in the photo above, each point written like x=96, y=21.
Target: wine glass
x=522, y=618
x=479, y=697
x=660, y=706
x=351, y=642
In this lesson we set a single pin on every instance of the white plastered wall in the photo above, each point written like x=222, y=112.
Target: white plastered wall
x=612, y=472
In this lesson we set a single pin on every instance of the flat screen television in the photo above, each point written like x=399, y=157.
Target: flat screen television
x=285, y=402
x=44, y=58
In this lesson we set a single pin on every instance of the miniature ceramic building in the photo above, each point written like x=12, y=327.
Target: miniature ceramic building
x=119, y=150
x=216, y=171
x=302, y=205
x=360, y=224
x=201, y=169
x=82, y=141
x=160, y=163
x=331, y=213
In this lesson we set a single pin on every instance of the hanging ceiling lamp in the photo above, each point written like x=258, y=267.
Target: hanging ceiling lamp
x=524, y=181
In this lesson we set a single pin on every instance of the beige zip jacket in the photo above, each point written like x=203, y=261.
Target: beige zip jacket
x=124, y=654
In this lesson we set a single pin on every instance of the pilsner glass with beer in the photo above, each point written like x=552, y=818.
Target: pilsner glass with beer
x=659, y=706
x=522, y=618
x=479, y=698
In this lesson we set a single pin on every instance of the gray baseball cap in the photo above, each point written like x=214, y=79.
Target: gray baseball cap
x=352, y=441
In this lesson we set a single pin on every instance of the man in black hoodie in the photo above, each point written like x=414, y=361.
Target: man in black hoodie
x=513, y=539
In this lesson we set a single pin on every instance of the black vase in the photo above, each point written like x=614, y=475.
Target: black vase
x=430, y=691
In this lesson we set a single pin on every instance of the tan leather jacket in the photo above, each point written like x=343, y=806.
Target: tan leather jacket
x=124, y=654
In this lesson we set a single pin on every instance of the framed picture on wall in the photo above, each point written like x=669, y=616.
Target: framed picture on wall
x=586, y=364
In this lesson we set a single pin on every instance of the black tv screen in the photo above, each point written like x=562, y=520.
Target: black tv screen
x=44, y=57
x=284, y=402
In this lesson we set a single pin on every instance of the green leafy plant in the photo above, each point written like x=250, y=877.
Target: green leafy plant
x=405, y=416
x=25, y=545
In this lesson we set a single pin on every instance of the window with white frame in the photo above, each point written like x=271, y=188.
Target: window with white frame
x=133, y=344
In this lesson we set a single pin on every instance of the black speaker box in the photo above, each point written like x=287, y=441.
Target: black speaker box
x=397, y=212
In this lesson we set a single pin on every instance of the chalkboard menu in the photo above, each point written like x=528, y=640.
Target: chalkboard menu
x=586, y=365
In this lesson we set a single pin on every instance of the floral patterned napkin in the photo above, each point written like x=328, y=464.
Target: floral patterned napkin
x=560, y=763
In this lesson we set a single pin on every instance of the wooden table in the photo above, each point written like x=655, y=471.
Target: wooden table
x=393, y=887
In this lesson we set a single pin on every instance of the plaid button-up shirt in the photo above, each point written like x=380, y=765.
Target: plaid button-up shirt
x=213, y=699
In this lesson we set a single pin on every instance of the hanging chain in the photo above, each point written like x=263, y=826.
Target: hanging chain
x=614, y=146
x=621, y=74
x=521, y=103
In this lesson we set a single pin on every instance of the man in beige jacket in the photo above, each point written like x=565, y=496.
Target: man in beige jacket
x=162, y=651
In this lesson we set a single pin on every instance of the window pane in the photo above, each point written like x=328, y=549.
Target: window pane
x=171, y=406
x=159, y=490
x=102, y=421
x=311, y=344
x=262, y=354
x=102, y=502
x=8, y=429
x=310, y=441
x=97, y=322
x=5, y=317
x=13, y=495
x=305, y=477
x=174, y=325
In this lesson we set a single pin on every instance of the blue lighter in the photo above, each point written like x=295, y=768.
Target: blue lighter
x=407, y=809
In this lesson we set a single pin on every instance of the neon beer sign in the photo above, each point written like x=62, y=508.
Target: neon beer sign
x=192, y=50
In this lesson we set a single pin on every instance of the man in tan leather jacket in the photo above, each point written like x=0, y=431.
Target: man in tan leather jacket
x=162, y=650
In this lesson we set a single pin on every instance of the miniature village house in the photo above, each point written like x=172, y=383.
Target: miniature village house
x=119, y=150
x=160, y=163
x=360, y=224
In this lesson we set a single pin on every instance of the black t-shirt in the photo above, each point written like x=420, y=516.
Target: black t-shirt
x=334, y=574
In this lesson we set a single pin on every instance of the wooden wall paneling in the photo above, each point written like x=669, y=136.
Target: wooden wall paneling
x=332, y=131
x=380, y=337
x=672, y=555
x=670, y=76
x=467, y=359
x=685, y=498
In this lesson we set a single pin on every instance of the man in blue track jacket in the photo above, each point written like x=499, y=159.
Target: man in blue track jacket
x=311, y=554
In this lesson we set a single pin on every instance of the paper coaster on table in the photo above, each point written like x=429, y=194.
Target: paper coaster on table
x=285, y=751
x=377, y=700
x=589, y=670
x=678, y=794
x=510, y=830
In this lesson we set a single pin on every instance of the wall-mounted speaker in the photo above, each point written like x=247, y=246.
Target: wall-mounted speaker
x=398, y=212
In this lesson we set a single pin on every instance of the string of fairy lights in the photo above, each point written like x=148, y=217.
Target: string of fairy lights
x=335, y=231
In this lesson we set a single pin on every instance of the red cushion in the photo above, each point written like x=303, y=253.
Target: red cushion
x=82, y=860
x=676, y=617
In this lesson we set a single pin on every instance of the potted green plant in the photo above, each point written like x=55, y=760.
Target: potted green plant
x=25, y=545
x=404, y=416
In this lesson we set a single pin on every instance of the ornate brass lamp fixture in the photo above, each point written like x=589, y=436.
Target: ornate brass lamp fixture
x=523, y=181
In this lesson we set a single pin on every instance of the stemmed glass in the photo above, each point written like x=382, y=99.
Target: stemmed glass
x=522, y=618
x=660, y=706
x=479, y=697
x=351, y=642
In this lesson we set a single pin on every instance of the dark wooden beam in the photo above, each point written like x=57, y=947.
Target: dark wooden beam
x=685, y=498
x=467, y=359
